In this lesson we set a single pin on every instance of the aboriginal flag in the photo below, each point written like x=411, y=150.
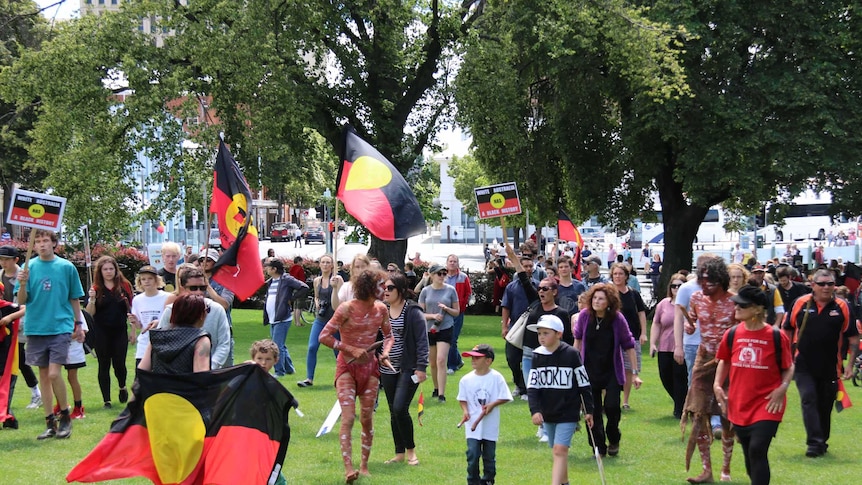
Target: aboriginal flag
x=227, y=426
x=239, y=268
x=8, y=358
x=842, y=400
x=568, y=231
x=420, y=408
x=375, y=193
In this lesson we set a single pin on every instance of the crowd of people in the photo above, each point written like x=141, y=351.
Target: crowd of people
x=722, y=337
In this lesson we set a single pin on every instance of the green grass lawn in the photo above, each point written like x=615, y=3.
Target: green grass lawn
x=651, y=449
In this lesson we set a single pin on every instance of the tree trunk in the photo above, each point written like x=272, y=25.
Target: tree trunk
x=388, y=251
x=681, y=223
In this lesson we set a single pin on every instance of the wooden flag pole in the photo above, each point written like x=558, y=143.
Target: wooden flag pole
x=30, y=246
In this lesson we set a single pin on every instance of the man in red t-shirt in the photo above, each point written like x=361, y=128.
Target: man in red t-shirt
x=756, y=395
x=297, y=271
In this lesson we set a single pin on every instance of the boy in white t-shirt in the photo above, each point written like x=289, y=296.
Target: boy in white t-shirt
x=479, y=393
x=147, y=306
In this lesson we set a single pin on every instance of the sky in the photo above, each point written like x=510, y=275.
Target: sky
x=66, y=9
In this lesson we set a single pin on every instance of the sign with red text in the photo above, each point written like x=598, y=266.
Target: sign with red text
x=39, y=211
x=497, y=200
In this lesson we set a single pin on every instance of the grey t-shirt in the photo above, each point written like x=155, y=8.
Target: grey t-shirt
x=429, y=298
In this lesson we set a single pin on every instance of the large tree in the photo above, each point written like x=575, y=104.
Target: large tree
x=273, y=69
x=769, y=107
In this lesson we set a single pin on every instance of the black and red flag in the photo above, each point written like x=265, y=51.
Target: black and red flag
x=568, y=231
x=239, y=268
x=375, y=193
x=223, y=427
x=8, y=358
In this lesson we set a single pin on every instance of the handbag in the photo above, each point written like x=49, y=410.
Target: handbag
x=515, y=335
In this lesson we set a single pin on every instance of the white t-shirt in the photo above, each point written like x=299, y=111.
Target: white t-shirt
x=478, y=390
x=345, y=293
x=147, y=309
x=683, y=298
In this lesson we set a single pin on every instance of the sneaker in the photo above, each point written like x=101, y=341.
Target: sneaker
x=716, y=432
x=540, y=432
x=56, y=410
x=524, y=397
x=10, y=423
x=51, y=431
x=78, y=413
x=107, y=405
x=434, y=394
x=35, y=403
x=124, y=396
x=614, y=449
x=516, y=392
x=450, y=371
x=543, y=439
x=64, y=430
x=441, y=398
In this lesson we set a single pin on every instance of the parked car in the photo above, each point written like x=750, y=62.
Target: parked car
x=280, y=232
x=215, y=238
x=315, y=234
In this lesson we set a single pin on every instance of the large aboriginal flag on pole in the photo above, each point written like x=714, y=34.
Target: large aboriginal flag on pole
x=239, y=269
x=375, y=193
x=224, y=427
x=568, y=231
x=8, y=357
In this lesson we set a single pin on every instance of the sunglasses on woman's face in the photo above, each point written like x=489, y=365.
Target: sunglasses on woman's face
x=545, y=288
x=390, y=287
x=675, y=286
x=442, y=273
x=744, y=305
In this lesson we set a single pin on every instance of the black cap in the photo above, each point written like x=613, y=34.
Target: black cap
x=481, y=350
x=751, y=295
x=8, y=252
x=148, y=270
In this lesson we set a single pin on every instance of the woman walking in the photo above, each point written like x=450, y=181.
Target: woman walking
x=759, y=362
x=408, y=359
x=634, y=310
x=602, y=335
x=439, y=301
x=109, y=302
x=357, y=376
x=673, y=375
x=325, y=303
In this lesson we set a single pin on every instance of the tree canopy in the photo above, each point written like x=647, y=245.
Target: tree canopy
x=700, y=102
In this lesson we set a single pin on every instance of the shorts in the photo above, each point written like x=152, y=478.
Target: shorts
x=627, y=363
x=560, y=433
x=75, y=366
x=442, y=336
x=48, y=349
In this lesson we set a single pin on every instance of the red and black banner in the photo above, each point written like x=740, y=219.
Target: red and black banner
x=239, y=268
x=8, y=357
x=375, y=193
x=223, y=427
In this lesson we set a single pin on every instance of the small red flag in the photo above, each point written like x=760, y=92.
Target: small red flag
x=239, y=269
x=842, y=400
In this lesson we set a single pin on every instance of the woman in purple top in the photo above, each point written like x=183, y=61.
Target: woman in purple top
x=674, y=376
x=602, y=334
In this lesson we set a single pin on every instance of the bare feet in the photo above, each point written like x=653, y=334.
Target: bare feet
x=351, y=476
x=364, y=472
x=725, y=477
x=705, y=477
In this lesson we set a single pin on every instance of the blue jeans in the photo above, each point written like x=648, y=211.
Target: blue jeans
x=527, y=363
x=690, y=352
x=455, y=361
x=488, y=451
x=313, y=346
x=278, y=333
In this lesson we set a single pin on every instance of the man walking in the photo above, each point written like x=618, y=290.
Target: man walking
x=277, y=311
x=51, y=290
x=817, y=324
x=461, y=282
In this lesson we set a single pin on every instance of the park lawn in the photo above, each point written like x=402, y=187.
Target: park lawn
x=651, y=449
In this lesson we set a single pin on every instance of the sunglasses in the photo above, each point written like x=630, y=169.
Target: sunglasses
x=442, y=273
x=545, y=288
x=391, y=270
x=197, y=288
x=675, y=286
x=744, y=305
x=390, y=287
x=824, y=283
x=527, y=255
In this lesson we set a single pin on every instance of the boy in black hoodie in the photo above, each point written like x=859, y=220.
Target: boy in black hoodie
x=557, y=388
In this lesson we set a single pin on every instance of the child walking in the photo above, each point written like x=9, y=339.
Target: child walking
x=479, y=393
x=557, y=388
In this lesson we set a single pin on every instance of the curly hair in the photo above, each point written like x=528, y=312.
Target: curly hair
x=612, y=295
x=264, y=346
x=365, y=283
x=714, y=270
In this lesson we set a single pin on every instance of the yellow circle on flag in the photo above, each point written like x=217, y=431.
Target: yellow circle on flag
x=368, y=173
x=498, y=201
x=176, y=430
x=36, y=210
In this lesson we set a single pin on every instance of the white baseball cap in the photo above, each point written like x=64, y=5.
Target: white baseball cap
x=547, y=321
